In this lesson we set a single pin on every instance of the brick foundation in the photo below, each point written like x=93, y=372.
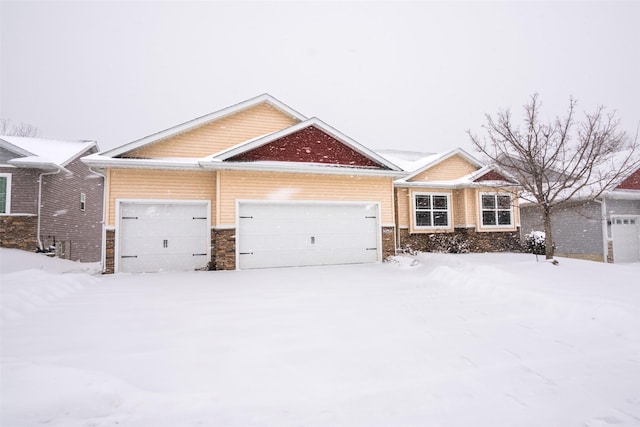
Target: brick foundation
x=110, y=252
x=388, y=242
x=462, y=240
x=19, y=232
x=223, y=249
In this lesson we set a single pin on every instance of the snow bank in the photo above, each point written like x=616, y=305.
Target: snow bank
x=434, y=339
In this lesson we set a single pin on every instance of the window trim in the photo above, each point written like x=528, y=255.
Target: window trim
x=7, y=201
x=511, y=224
x=414, y=211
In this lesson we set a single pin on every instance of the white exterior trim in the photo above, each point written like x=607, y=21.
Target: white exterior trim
x=7, y=201
x=414, y=222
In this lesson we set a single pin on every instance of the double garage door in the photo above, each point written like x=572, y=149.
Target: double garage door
x=626, y=239
x=302, y=234
x=174, y=235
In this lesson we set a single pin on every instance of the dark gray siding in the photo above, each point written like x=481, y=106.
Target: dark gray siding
x=576, y=231
x=622, y=207
x=24, y=190
x=61, y=217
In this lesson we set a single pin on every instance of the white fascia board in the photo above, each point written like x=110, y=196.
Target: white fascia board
x=34, y=162
x=181, y=128
x=314, y=121
x=444, y=157
x=99, y=161
x=622, y=195
x=89, y=145
x=453, y=185
x=293, y=167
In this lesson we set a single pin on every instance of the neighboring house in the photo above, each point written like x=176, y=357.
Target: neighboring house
x=451, y=202
x=254, y=185
x=607, y=229
x=49, y=199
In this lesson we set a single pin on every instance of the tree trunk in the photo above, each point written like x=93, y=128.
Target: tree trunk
x=548, y=234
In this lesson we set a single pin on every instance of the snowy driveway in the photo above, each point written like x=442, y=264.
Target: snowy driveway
x=453, y=340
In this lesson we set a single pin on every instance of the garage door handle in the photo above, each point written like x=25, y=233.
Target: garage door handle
x=129, y=256
x=129, y=217
x=371, y=249
x=198, y=254
x=371, y=217
x=199, y=217
x=246, y=253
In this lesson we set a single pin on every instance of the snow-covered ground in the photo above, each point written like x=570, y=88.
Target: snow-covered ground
x=433, y=340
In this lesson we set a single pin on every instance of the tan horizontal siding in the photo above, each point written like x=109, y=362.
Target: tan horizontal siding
x=219, y=135
x=282, y=186
x=451, y=168
x=159, y=184
x=404, y=207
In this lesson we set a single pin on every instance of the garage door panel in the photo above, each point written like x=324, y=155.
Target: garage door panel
x=283, y=234
x=163, y=236
x=626, y=239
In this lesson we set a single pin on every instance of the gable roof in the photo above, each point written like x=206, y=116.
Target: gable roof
x=439, y=158
x=208, y=118
x=265, y=140
x=415, y=163
x=41, y=153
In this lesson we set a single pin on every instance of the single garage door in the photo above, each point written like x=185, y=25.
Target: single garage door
x=303, y=234
x=163, y=236
x=626, y=239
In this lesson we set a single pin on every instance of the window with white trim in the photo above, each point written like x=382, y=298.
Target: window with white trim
x=5, y=193
x=496, y=210
x=431, y=210
x=83, y=201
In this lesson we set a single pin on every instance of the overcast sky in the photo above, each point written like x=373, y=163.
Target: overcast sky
x=410, y=76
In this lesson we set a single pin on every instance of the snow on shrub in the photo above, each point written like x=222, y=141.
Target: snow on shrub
x=535, y=242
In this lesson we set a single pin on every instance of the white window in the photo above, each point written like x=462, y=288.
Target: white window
x=496, y=210
x=431, y=210
x=5, y=193
x=83, y=201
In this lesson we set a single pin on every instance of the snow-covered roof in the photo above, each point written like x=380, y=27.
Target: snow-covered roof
x=44, y=153
x=192, y=124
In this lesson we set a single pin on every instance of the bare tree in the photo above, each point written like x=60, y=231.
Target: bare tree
x=560, y=163
x=21, y=129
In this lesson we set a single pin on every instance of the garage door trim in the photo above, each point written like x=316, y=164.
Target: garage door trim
x=118, y=220
x=377, y=205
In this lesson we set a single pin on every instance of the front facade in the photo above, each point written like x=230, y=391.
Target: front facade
x=606, y=229
x=49, y=199
x=451, y=202
x=254, y=185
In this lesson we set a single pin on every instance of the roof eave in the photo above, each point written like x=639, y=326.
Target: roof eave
x=202, y=120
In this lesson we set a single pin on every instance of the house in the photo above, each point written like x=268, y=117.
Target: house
x=606, y=229
x=49, y=199
x=452, y=202
x=253, y=185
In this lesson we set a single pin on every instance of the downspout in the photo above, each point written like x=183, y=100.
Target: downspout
x=103, y=244
x=38, y=240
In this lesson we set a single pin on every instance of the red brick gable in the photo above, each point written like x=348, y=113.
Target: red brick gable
x=308, y=145
x=632, y=182
x=492, y=176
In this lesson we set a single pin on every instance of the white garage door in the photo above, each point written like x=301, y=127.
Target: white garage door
x=626, y=239
x=163, y=236
x=302, y=234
